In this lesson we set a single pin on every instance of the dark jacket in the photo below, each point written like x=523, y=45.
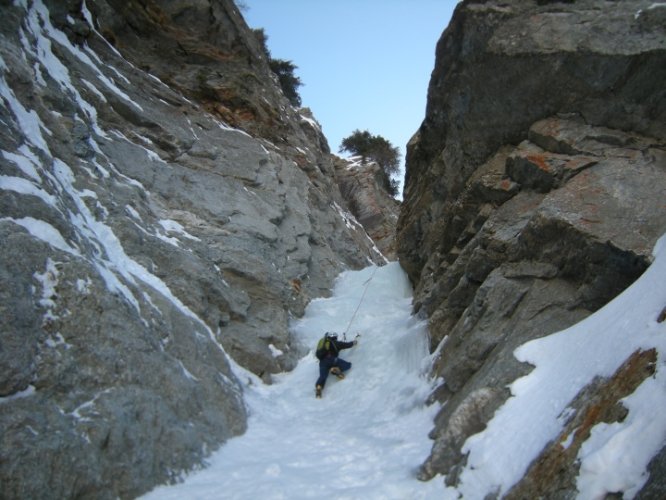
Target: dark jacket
x=334, y=347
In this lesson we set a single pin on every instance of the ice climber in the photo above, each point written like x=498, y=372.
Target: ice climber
x=328, y=348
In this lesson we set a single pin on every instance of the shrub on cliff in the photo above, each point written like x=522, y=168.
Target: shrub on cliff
x=288, y=81
x=378, y=149
x=283, y=69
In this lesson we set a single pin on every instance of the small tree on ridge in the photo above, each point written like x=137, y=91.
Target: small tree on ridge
x=378, y=149
x=284, y=70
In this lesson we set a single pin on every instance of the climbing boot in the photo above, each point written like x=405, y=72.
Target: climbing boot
x=318, y=391
x=337, y=372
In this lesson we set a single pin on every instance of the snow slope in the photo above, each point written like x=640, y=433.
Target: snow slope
x=368, y=434
x=365, y=438
x=615, y=456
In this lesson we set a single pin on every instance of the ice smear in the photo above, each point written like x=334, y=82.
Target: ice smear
x=39, y=16
x=18, y=395
x=25, y=160
x=29, y=121
x=352, y=224
x=24, y=186
x=44, y=232
x=172, y=226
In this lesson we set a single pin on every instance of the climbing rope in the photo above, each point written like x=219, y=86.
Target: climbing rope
x=351, y=320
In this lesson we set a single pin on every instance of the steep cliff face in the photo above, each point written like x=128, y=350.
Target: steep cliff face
x=362, y=188
x=534, y=194
x=163, y=211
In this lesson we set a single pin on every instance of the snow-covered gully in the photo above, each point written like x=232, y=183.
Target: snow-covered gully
x=367, y=436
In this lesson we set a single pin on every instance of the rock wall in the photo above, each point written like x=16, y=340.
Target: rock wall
x=534, y=194
x=361, y=186
x=164, y=211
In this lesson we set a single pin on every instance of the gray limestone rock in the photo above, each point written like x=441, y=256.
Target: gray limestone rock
x=164, y=212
